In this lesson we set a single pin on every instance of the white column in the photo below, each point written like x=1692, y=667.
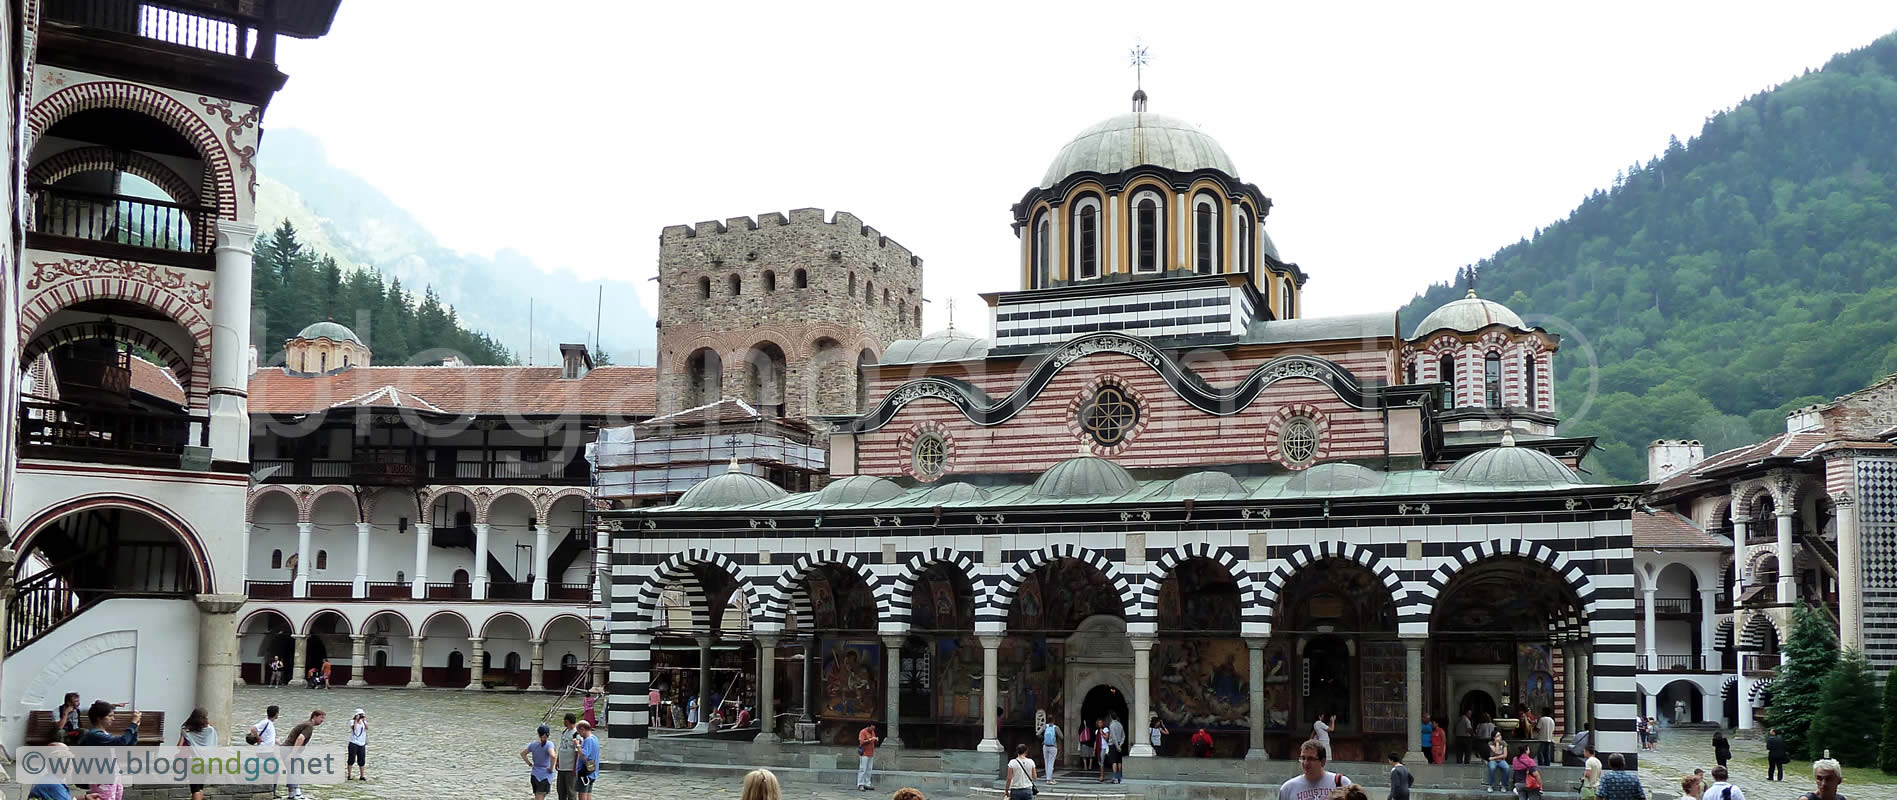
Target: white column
x=1255, y=647
x=415, y=662
x=1413, y=686
x=301, y=586
x=990, y=694
x=1744, y=688
x=1738, y=588
x=1708, y=631
x=1646, y=628
x=300, y=657
x=540, y=562
x=704, y=684
x=423, y=535
x=230, y=343
x=767, y=688
x=480, y=560
x=1141, y=746
x=361, y=589
x=243, y=554
x=892, y=684
x=538, y=665
x=358, y=661
x=1850, y=574
x=1653, y=706
x=474, y=664
x=1787, y=571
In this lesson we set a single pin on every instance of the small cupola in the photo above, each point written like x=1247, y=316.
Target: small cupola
x=575, y=362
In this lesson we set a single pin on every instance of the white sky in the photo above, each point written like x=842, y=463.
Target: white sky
x=1398, y=141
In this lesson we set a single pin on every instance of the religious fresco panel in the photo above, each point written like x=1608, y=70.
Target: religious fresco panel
x=1202, y=683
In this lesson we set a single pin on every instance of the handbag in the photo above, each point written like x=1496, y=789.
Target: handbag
x=1033, y=786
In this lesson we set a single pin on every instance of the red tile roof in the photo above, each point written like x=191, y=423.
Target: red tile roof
x=1666, y=530
x=156, y=381
x=626, y=392
x=1784, y=445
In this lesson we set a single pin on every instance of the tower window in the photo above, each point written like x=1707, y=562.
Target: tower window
x=1528, y=381
x=852, y=284
x=1286, y=304
x=869, y=291
x=885, y=296
x=1446, y=373
x=737, y=284
x=902, y=314
x=1492, y=380
x=1205, y=245
x=1410, y=373
x=1149, y=208
x=322, y=362
x=1244, y=241
x=276, y=559
x=770, y=281
x=801, y=280
x=1087, y=239
x=704, y=288
x=322, y=559
x=1043, y=239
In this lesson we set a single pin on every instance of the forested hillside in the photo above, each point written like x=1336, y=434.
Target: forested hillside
x=292, y=287
x=1746, y=272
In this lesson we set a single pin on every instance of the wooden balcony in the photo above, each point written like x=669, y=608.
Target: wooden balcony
x=120, y=226
x=69, y=432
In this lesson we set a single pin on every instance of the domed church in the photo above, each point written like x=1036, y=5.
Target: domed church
x=1159, y=493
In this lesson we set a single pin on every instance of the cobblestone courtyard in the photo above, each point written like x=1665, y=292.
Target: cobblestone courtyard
x=1681, y=752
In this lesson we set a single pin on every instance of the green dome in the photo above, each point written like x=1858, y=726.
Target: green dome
x=1509, y=465
x=1082, y=477
x=1138, y=139
x=730, y=489
x=1334, y=477
x=858, y=489
x=1468, y=315
x=1208, y=485
x=956, y=493
x=329, y=330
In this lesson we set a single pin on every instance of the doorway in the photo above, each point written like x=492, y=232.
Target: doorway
x=1102, y=700
x=1479, y=704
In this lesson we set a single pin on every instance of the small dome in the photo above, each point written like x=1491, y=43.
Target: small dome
x=732, y=488
x=329, y=330
x=1208, y=485
x=1336, y=476
x=956, y=493
x=1468, y=315
x=1138, y=139
x=858, y=489
x=947, y=344
x=1082, y=477
x=1508, y=465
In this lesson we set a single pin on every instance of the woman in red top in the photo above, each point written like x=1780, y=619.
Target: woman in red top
x=1202, y=744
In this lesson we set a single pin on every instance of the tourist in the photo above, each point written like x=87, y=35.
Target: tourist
x=1349, y=793
x=1321, y=732
x=1829, y=776
x=198, y=735
x=358, y=746
x=1546, y=735
x=1485, y=728
x=586, y=762
x=1653, y=734
x=1155, y=732
x=1117, y=734
x=866, y=755
x=1465, y=736
x=1618, y=783
x=1202, y=744
x=1102, y=748
x=1019, y=774
x=1441, y=748
x=300, y=737
x=1577, y=746
x=1428, y=742
x=655, y=702
x=1590, y=773
x=1775, y=757
x=1518, y=769
x=325, y=676
x=563, y=782
x=264, y=733
x=1722, y=747
x=1498, y=762
x=1083, y=741
x=908, y=793
x=1640, y=731
x=1314, y=782
x=97, y=736
x=1531, y=781
x=1722, y=788
x=1050, y=748
x=69, y=718
x=541, y=760
x=276, y=676
x=1693, y=787
x=761, y=784
x=1400, y=778
x=56, y=791
x=691, y=711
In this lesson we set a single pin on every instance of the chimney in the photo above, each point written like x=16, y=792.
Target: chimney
x=1669, y=457
x=575, y=362
x=453, y=361
x=252, y=370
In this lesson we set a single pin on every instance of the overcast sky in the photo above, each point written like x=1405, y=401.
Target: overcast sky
x=1397, y=141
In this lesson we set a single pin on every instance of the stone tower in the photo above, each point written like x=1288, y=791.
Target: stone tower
x=780, y=312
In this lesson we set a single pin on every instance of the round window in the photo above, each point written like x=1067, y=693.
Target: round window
x=1297, y=440
x=931, y=454
x=1109, y=416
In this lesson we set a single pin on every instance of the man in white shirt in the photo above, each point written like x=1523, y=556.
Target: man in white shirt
x=1591, y=774
x=1544, y=730
x=1722, y=789
x=266, y=733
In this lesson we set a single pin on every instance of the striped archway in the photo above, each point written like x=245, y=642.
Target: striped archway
x=997, y=611
x=1253, y=606
x=1306, y=555
x=902, y=588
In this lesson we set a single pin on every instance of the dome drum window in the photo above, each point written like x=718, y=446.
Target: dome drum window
x=930, y=456
x=1492, y=380
x=1085, y=256
x=1205, y=237
x=1148, y=230
x=1043, y=255
x=1109, y=416
x=1298, y=440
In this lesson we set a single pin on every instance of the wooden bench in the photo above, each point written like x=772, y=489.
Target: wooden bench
x=42, y=729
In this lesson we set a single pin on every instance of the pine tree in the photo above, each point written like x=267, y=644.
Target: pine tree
x=1887, y=752
x=1846, y=692
x=1810, y=653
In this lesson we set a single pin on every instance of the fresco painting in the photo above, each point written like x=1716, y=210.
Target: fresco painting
x=849, y=679
x=1202, y=683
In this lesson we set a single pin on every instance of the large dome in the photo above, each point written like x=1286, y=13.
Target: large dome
x=1509, y=465
x=329, y=330
x=1468, y=315
x=729, y=489
x=948, y=344
x=1138, y=139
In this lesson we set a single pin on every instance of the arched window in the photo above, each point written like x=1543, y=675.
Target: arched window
x=276, y=559
x=1446, y=373
x=770, y=281
x=1287, y=303
x=869, y=292
x=1410, y=374
x=322, y=559
x=1245, y=248
x=345, y=360
x=1042, y=254
x=322, y=362
x=706, y=373
x=1492, y=380
x=852, y=291
x=801, y=280
x=1205, y=236
x=401, y=577
x=1528, y=381
x=885, y=296
x=737, y=285
x=1086, y=253
x=1149, y=231
x=704, y=288
x=902, y=314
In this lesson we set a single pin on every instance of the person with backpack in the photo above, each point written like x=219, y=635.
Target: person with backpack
x=1722, y=788
x=1050, y=748
x=1314, y=782
x=1019, y=774
x=1202, y=744
x=1400, y=778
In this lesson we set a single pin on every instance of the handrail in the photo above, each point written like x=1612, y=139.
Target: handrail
x=136, y=221
x=194, y=28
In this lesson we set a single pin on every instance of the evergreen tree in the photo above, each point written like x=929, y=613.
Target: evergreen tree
x=1844, y=695
x=1887, y=751
x=1809, y=655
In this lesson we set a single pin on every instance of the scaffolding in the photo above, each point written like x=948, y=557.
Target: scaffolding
x=659, y=459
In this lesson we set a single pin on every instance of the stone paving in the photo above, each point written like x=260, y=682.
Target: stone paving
x=1682, y=751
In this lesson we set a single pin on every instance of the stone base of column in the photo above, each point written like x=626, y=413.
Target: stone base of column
x=415, y=685
x=702, y=727
x=1141, y=750
x=766, y=738
x=890, y=742
x=989, y=746
x=1256, y=754
x=356, y=682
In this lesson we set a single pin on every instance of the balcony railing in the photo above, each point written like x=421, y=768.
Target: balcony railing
x=510, y=591
x=1668, y=662
x=1672, y=605
x=268, y=590
x=74, y=433
x=135, y=221
x=390, y=590
x=570, y=591
x=332, y=590
x=1761, y=662
x=403, y=590
x=450, y=591
x=193, y=28
x=383, y=470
